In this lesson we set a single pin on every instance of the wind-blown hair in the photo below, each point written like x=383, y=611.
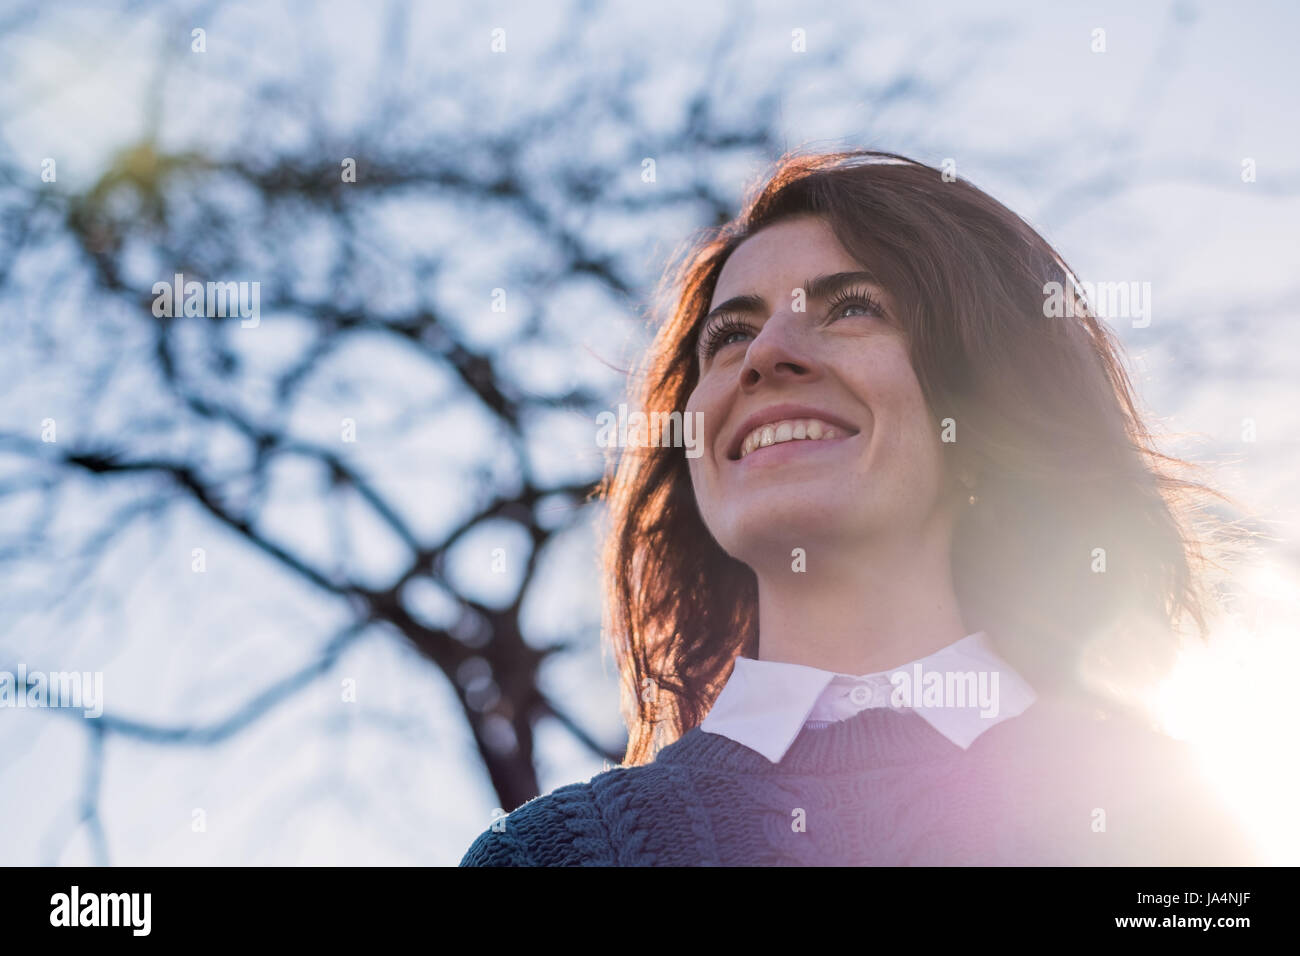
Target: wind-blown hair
x=1087, y=546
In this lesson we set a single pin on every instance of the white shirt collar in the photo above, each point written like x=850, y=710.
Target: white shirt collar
x=765, y=704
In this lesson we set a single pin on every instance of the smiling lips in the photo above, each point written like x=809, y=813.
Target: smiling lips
x=787, y=430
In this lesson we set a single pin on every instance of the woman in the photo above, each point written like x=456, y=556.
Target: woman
x=887, y=614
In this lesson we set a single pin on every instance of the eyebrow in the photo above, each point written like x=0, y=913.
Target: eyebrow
x=817, y=288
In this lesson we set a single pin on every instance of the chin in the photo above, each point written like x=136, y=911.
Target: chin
x=781, y=527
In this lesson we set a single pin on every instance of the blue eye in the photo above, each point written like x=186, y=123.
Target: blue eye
x=718, y=335
x=715, y=336
x=859, y=297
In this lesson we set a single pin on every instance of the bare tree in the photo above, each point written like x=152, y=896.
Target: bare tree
x=324, y=228
x=392, y=235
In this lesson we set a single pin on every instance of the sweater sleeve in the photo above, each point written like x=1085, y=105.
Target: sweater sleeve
x=1186, y=822
x=496, y=849
x=561, y=828
x=1160, y=807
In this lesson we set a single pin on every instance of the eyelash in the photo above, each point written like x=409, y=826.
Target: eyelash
x=712, y=339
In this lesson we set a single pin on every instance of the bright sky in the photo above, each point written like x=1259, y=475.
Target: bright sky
x=1129, y=160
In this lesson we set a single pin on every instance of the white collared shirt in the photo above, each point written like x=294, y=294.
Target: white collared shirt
x=765, y=704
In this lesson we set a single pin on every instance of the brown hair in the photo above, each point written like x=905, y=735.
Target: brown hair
x=1044, y=413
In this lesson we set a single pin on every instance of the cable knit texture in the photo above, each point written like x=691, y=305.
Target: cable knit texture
x=1053, y=786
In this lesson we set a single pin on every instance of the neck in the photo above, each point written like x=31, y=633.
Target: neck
x=861, y=612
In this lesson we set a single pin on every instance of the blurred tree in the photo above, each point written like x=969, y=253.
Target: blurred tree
x=501, y=224
x=401, y=232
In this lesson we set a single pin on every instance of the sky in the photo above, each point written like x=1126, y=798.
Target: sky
x=1128, y=159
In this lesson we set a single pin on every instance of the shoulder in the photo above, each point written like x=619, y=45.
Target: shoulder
x=579, y=824
x=1135, y=795
x=559, y=828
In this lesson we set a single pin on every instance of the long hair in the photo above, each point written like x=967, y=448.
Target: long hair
x=1085, y=537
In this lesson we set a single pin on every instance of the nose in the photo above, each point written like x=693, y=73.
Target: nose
x=779, y=352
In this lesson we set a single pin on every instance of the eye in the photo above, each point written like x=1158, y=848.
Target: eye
x=858, y=297
x=715, y=336
x=718, y=335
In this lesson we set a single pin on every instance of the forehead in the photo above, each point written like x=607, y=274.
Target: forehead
x=782, y=256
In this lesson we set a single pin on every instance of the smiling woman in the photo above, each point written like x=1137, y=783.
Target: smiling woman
x=875, y=621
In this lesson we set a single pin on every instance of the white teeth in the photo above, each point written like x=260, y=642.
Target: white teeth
x=794, y=429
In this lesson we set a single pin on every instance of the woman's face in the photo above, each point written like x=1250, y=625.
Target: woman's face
x=839, y=361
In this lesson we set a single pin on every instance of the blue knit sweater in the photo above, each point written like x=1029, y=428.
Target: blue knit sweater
x=1053, y=786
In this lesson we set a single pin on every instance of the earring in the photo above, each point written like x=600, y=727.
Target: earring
x=969, y=482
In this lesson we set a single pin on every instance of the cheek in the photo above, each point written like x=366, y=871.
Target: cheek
x=702, y=410
x=692, y=403
x=924, y=450
x=708, y=501
x=909, y=440
x=697, y=405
